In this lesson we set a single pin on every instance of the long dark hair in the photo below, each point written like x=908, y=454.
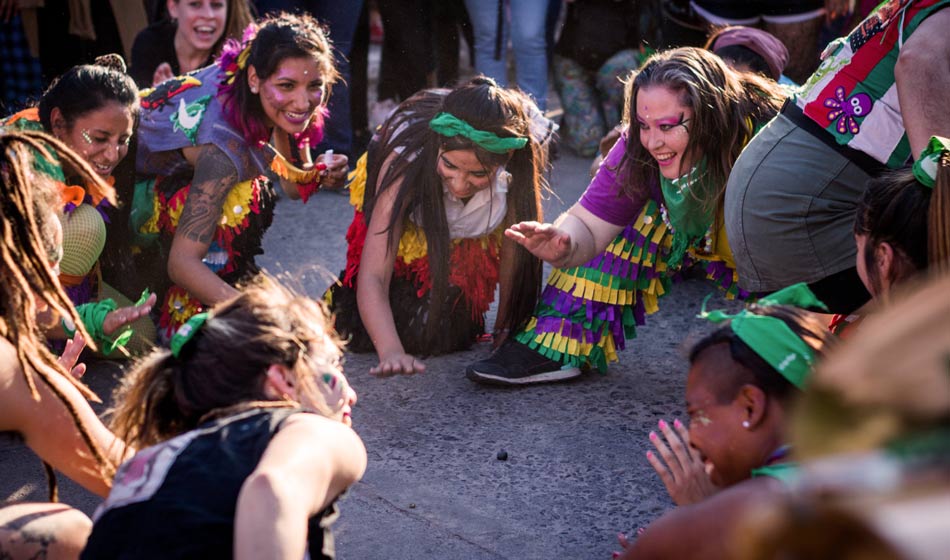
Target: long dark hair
x=727, y=107
x=485, y=106
x=88, y=87
x=892, y=210
x=272, y=41
x=754, y=370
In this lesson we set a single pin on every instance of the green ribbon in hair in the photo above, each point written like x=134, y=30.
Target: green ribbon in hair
x=770, y=337
x=186, y=332
x=449, y=125
x=925, y=168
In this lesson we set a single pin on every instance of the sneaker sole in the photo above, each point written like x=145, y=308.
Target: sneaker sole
x=546, y=377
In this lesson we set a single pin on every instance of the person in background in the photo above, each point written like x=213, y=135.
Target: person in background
x=597, y=48
x=244, y=438
x=796, y=23
x=747, y=49
x=189, y=39
x=524, y=22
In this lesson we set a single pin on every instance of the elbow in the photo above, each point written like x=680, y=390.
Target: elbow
x=912, y=61
x=175, y=268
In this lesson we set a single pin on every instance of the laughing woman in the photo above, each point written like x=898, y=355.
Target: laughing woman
x=208, y=143
x=653, y=208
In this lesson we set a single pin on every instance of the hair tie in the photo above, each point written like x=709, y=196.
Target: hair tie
x=187, y=332
x=770, y=337
x=449, y=125
x=935, y=154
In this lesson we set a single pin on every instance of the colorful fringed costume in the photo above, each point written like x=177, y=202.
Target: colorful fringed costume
x=86, y=213
x=183, y=112
x=473, y=277
x=586, y=313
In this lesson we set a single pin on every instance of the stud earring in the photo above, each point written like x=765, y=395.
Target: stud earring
x=253, y=89
x=745, y=424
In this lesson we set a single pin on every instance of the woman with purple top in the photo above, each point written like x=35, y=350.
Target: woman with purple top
x=653, y=208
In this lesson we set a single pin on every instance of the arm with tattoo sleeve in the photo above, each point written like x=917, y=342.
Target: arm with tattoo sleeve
x=214, y=177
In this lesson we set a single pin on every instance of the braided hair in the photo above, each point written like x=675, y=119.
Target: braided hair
x=27, y=203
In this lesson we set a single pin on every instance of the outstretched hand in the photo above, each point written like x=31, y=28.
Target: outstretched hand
x=71, y=354
x=544, y=241
x=680, y=466
x=123, y=316
x=397, y=363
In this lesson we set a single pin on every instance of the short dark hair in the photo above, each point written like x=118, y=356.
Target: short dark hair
x=89, y=87
x=753, y=369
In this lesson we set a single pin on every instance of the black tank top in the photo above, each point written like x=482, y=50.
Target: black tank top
x=177, y=499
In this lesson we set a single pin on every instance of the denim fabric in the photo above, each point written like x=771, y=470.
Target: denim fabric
x=524, y=22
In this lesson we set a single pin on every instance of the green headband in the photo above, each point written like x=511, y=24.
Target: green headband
x=449, y=125
x=925, y=168
x=770, y=337
x=186, y=332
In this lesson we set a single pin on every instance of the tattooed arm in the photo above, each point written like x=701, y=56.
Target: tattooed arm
x=213, y=179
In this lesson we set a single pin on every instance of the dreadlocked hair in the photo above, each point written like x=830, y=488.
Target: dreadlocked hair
x=485, y=106
x=27, y=208
x=222, y=368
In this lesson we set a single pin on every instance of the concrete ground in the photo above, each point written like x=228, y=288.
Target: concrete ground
x=575, y=472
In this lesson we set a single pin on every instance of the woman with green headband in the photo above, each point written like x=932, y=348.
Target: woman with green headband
x=440, y=182
x=742, y=379
x=654, y=208
x=894, y=242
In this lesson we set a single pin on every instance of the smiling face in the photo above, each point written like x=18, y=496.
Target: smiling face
x=200, y=22
x=292, y=95
x=715, y=427
x=100, y=136
x=664, y=124
x=462, y=174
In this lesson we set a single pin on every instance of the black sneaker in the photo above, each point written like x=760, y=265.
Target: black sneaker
x=516, y=364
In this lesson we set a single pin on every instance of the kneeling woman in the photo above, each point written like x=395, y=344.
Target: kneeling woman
x=444, y=177
x=742, y=380
x=247, y=419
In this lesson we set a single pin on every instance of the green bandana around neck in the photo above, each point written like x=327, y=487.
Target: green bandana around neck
x=925, y=168
x=770, y=337
x=687, y=214
x=449, y=125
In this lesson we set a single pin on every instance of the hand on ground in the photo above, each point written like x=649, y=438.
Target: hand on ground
x=544, y=241
x=679, y=465
x=71, y=354
x=397, y=363
x=122, y=316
